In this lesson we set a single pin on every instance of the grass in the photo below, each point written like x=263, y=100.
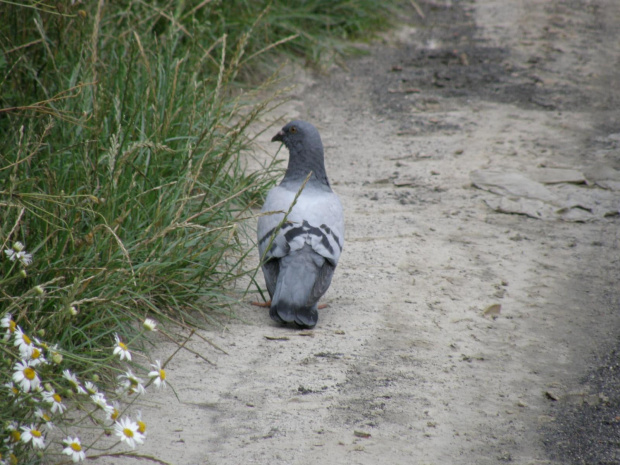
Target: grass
x=123, y=135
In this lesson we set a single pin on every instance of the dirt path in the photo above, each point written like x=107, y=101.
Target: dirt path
x=403, y=366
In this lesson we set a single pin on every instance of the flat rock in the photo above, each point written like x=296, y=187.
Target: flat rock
x=558, y=175
x=511, y=185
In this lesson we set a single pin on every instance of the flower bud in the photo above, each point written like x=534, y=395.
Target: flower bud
x=39, y=290
x=18, y=246
x=149, y=324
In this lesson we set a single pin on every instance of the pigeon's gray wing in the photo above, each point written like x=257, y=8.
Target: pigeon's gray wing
x=267, y=233
x=316, y=219
x=271, y=268
x=323, y=281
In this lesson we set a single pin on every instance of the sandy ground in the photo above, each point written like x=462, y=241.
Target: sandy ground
x=405, y=366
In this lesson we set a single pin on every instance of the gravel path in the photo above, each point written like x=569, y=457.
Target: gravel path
x=464, y=324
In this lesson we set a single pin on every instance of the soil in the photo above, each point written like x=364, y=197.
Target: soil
x=455, y=333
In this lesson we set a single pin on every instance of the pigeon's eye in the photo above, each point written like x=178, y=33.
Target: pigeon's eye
x=293, y=130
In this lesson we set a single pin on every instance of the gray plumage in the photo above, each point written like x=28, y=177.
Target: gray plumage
x=300, y=263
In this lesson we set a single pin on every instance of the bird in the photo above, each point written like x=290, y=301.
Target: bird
x=300, y=250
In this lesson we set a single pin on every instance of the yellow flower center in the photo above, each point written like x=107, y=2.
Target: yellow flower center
x=122, y=345
x=13, y=458
x=29, y=373
x=141, y=426
x=15, y=390
x=46, y=417
x=57, y=398
x=76, y=447
x=16, y=436
x=12, y=326
x=162, y=374
x=127, y=432
x=26, y=339
x=36, y=353
x=115, y=414
x=36, y=433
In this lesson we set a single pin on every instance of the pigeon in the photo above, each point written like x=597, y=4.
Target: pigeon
x=299, y=258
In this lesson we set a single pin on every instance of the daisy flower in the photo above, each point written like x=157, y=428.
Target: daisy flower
x=41, y=415
x=100, y=401
x=74, y=449
x=91, y=388
x=56, y=401
x=8, y=323
x=34, y=435
x=23, y=343
x=26, y=377
x=36, y=357
x=12, y=389
x=11, y=459
x=121, y=349
x=18, y=253
x=14, y=434
x=141, y=424
x=128, y=431
x=73, y=381
x=114, y=413
x=132, y=384
x=159, y=375
x=149, y=324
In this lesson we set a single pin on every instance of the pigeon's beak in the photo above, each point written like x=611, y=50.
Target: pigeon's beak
x=278, y=137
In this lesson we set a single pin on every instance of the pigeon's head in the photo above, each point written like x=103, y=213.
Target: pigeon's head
x=306, y=152
x=300, y=134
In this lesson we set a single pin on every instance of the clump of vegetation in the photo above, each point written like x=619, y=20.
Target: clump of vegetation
x=50, y=412
x=123, y=135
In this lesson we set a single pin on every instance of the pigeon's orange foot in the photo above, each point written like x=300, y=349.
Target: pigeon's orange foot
x=322, y=306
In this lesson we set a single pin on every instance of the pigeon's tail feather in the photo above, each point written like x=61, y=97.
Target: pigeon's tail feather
x=307, y=317
x=283, y=312
x=293, y=300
